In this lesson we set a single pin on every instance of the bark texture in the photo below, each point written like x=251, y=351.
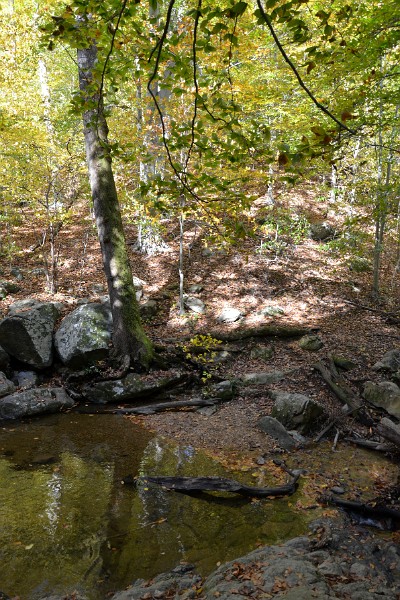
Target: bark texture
x=129, y=340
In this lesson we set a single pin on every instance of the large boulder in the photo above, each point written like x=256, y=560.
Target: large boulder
x=34, y=402
x=130, y=388
x=296, y=411
x=27, y=332
x=84, y=336
x=385, y=394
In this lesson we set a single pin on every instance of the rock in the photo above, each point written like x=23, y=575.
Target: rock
x=220, y=357
x=263, y=352
x=343, y=363
x=17, y=273
x=84, y=336
x=272, y=311
x=181, y=579
x=276, y=430
x=132, y=387
x=34, y=402
x=98, y=289
x=337, y=489
x=25, y=379
x=385, y=394
x=6, y=386
x=389, y=362
x=223, y=390
x=322, y=232
x=195, y=288
x=138, y=285
x=4, y=360
x=10, y=287
x=296, y=411
x=27, y=332
x=264, y=378
x=310, y=342
x=148, y=309
x=194, y=304
x=229, y=315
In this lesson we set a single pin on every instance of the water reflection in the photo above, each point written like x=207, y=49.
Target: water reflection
x=67, y=523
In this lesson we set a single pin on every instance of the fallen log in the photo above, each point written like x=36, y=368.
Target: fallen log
x=338, y=385
x=243, y=333
x=220, y=484
x=386, y=518
x=389, y=430
x=371, y=445
x=150, y=409
x=282, y=331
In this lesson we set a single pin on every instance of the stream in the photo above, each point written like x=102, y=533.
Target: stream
x=69, y=523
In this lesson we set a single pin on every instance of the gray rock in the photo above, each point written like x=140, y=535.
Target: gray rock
x=389, y=362
x=311, y=342
x=343, y=363
x=385, y=394
x=17, y=273
x=25, y=379
x=27, y=332
x=195, y=288
x=222, y=356
x=223, y=390
x=229, y=315
x=296, y=411
x=6, y=386
x=272, y=311
x=276, y=430
x=182, y=580
x=194, y=304
x=34, y=402
x=131, y=387
x=148, y=309
x=98, y=289
x=10, y=287
x=262, y=352
x=138, y=284
x=322, y=232
x=264, y=378
x=337, y=489
x=84, y=336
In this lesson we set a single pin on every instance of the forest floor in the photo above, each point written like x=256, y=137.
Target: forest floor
x=311, y=284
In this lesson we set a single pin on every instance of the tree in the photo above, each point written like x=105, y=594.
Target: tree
x=129, y=339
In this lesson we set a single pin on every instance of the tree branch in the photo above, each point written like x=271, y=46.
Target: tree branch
x=297, y=74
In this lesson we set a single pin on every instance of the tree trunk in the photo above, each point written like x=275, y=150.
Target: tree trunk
x=129, y=340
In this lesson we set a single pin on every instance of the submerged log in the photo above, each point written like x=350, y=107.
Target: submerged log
x=220, y=484
x=387, y=518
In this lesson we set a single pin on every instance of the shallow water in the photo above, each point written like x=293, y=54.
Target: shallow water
x=68, y=523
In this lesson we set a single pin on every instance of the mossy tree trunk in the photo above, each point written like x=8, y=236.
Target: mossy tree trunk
x=130, y=343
